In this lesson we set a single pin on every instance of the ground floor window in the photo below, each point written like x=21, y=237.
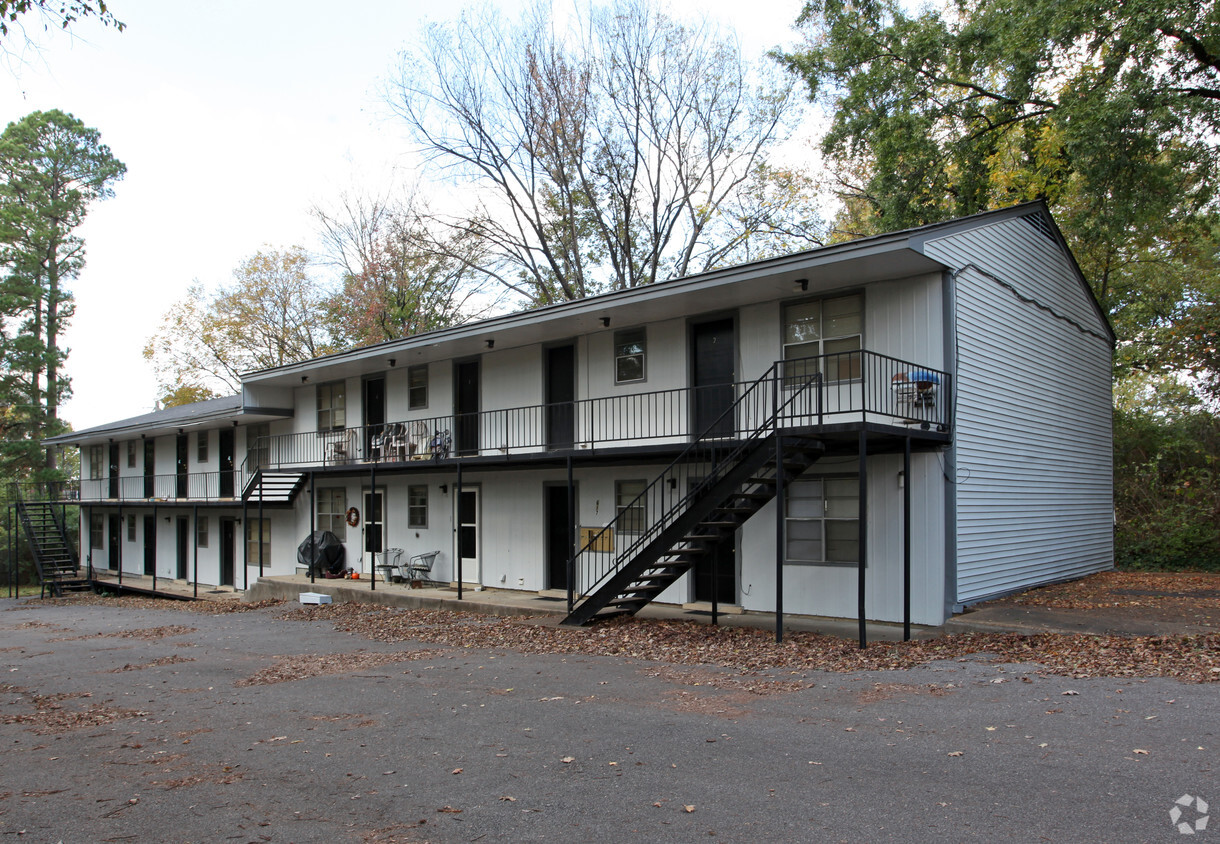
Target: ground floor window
x=131, y=528
x=629, y=506
x=417, y=506
x=252, y=543
x=201, y=531
x=97, y=531
x=822, y=524
x=332, y=509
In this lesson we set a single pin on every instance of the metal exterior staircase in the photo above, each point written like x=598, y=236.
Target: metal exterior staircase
x=729, y=478
x=272, y=488
x=709, y=519
x=55, y=556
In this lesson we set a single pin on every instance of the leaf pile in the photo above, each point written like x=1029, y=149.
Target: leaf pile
x=156, y=663
x=302, y=666
x=1193, y=659
x=1153, y=594
x=230, y=602
x=148, y=633
x=51, y=717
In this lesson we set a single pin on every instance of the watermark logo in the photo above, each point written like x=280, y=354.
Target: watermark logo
x=1189, y=814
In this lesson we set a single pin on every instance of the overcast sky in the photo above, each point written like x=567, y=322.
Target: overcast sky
x=233, y=119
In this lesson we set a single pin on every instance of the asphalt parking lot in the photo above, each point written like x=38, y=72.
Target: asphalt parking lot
x=162, y=725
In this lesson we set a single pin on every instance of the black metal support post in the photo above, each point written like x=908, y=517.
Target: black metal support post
x=245, y=545
x=88, y=511
x=195, y=543
x=780, y=550
x=906, y=539
x=12, y=553
x=119, y=545
x=571, y=538
x=457, y=519
x=380, y=525
x=260, y=530
x=862, y=536
x=313, y=526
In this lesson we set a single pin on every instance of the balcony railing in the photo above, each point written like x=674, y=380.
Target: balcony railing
x=848, y=386
x=182, y=486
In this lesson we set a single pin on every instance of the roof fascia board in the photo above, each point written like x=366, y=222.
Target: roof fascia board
x=807, y=261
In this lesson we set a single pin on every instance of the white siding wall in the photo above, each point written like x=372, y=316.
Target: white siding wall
x=832, y=590
x=1033, y=423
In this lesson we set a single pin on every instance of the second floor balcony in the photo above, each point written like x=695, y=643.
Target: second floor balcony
x=843, y=389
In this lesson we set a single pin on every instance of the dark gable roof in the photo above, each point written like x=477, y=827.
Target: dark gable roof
x=169, y=417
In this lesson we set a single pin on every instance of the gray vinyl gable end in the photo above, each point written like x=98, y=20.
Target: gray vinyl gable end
x=1029, y=473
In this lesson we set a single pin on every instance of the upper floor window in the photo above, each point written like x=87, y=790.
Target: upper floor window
x=332, y=406
x=630, y=350
x=131, y=454
x=97, y=462
x=826, y=335
x=822, y=523
x=201, y=446
x=258, y=445
x=417, y=387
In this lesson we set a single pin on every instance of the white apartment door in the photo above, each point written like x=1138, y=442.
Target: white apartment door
x=468, y=540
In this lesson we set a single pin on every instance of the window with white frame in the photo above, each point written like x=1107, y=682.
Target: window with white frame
x=97, y=462
x=258, y=447
x=417, y=506
x=252, y=541
x=131, y=528
x=201, y=532
x=131, y=454
x=332, y=510
x=201, y=446
x=97, y=531
x=630, y=506
x=332, y=406
x=828, y=331
x=630, y=351
x=417, y=387
x=822, y=524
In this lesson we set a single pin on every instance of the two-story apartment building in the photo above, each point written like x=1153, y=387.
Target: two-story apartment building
x=891, y=427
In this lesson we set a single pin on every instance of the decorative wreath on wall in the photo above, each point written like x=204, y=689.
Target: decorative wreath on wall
x=353, y=517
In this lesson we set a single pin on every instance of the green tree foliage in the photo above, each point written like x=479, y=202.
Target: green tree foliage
x=268, y=317
x=1167, y=489
x=1109, y=111
x=621, y=150
x=399, y=279
x=61, y=14
x=52, y=168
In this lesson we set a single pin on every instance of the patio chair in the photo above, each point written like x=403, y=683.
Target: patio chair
x=419, y=568
x=390, y=565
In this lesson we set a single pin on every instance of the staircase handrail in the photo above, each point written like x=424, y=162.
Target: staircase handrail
x=710, y=437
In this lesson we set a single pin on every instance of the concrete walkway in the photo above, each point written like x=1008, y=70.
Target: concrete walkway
x=999, y=618
x=550, y=610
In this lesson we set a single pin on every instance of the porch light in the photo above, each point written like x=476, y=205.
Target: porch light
x=444, y=489
x=491, y=344
x=304, y=379
x=391, y=362
x=605, y=322
x=802, y=285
